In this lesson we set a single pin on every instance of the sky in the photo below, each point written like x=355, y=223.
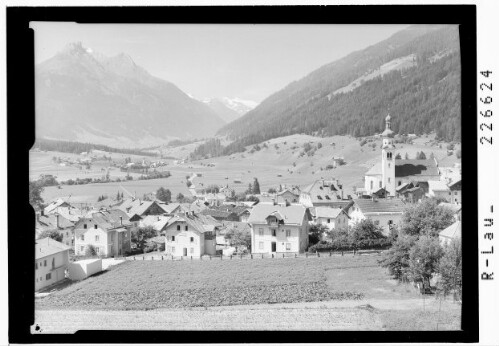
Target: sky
x=215, y=60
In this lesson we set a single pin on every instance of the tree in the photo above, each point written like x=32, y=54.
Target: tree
x=52, y=233
x=365, y=234
x=450, y=268
x=316, y=232
x=180, y=197
x=421, y=156
x=90, y=251
x=398, y=157
x=238, y=237
x=256, y=187
x=406, y=156
x=35, y=191
x=272, y=190
x=426, y=217
x=164, y=195
x=250, y=189
x=253, y=199
x=142, y=235
x=423, y=258
x=396, y=259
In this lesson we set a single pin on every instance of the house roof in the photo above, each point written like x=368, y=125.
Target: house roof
x=323, y=190
x=47, y=246
x=294, y=191
x=375, y=170
x=380, y=205
x=401, y=187
x=437, y=185
x=108, y=219
x=158, y=222
x=456, y=185
x=453, y=231
x=50, y=222
x=407, y=168
x=199, y=222
x=55, y=204
x=292, y=214
x=170, y=207
x=330, y=213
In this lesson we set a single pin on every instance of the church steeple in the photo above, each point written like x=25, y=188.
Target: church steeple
x=388, y=158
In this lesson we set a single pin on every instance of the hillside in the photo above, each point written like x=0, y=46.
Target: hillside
x=229, y=109
x=85, y=96
x=414, y=75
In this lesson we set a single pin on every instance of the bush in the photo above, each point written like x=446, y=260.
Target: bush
x=90, y=251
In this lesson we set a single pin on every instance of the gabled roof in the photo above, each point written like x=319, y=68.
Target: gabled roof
x=107, y=219
x=456, y=185
x=50, y=222
x=292, y=214
x=158, y=222
x=437, y=185
x=380, y=205
x=330, y=213
x=295, y=192
x=407, y=168
x=55, y=204
x=46, y=246
x=375, y=170
x=453, y=231
x=170, y=207
x=199, y=222
x=323, y=190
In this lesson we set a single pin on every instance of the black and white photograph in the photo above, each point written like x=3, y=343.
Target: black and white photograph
x=251, y=176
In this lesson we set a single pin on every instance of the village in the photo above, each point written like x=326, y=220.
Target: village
x=73, y=242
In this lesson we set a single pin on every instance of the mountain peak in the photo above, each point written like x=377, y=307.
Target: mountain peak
x=75, y=48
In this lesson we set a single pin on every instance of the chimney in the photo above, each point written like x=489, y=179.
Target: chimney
x=121, y=220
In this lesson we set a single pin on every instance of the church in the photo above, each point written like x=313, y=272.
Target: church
x=385, y=176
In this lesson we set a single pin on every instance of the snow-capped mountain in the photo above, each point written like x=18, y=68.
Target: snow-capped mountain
x=229, y=109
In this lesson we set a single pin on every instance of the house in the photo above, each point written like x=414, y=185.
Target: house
x=170, y=208
x=157, y=222
x=56, y=222
x=455, y=208
x=332, y=218
x=279, y=228
x=289, y=195
x=384, y=212
x=108, y=231
x=391, y=172
x=451, y=232
x=54, y=205
x=322, y=192
x=455, y=191
x=191, y=234
x=227, y=213
x=439, y=190
x=411, y=192
x=227, y=191
x=51, y=262
x=222, y=243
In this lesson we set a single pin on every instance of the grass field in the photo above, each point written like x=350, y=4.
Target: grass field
x=326, y=293
x=279, y=163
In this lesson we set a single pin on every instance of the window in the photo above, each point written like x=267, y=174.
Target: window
x=288, y=233
x=178, y=227
x=380, y=184
x=455, y=193
x=95, y=226
x=260, y=231
x=82, y=248
x=388, y=165
x=388, y=179
x=173, y=249
x=288, y=246
x=400, y=183
x=372, y=183
x=328, y=220
x=83, y=237
x=390, y=222
x=36, y=265
x=173, y=239
x=53, y=262
x=273, y=232
x=260, y=245
x=186, y=228
x=192, y=239
x=96, y=238
x=41, y=278
x=192, y=250
x=376, y=222
x=48, y=276
x=85, y=226
x=45, y=263
x=168, y=249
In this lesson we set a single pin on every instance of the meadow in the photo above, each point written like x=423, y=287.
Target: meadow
x=280, y=161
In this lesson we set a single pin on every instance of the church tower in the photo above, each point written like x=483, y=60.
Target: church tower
x=388, y=159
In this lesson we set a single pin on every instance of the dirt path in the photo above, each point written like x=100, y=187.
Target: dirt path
x=330, y=315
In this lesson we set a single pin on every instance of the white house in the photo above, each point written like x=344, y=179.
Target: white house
x=384, y=212
x=439, y=189
x=279, y=228
x=51, y=262
x=108, y=231
x=455, y=190
x=191, y=234
x=332, y=218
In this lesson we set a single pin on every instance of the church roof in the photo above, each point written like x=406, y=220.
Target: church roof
x=408, y=168
x=375, y=170
x=388, y=133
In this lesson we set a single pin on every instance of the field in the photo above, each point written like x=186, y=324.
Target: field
x=277, y=163
x=327, y=293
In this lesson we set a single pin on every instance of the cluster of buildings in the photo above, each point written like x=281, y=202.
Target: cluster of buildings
x=278, y=223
